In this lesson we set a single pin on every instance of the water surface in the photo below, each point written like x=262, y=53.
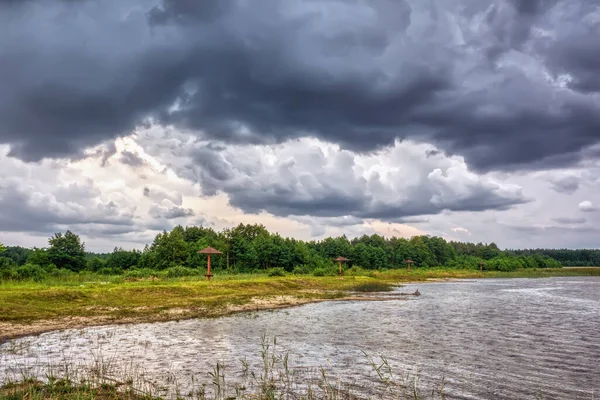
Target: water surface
x=489, y=339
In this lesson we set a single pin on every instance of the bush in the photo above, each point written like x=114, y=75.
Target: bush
x=140, y=273
x=7, y=263
x=301, y=270
x=8, y=274
x=30, y=271
x=59, y=272
x=504, y=264
x=324, y=271
x=276, y=272
x=373, y=287
x=465, y=262
x=109, y=271
x=356, y=270
x=179, y=271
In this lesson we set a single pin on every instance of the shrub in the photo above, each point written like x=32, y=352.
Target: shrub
x=59, y=272
x=109, y=271
x=31, y=271
x=373, y=287
x=8, y=274
x=179, y=271
x=140, y=273
x=324, y=271
x=301, y=270
x=7, y=263
x=356, y=270
x=276, y=272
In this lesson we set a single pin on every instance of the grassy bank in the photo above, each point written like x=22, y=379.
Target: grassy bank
x=88, y=299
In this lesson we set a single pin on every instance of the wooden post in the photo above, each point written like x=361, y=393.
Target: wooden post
x=208, y=251
x=208, y=273
x=408, y=267
x=340, y=267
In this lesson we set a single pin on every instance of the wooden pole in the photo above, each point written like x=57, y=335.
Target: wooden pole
x=208, y=274
x=340, y=267
x=408, y=267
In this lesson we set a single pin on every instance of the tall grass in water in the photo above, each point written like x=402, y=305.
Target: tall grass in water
x=273, y=378
x=373, y=287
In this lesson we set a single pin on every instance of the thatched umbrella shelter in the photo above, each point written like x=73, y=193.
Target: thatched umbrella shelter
x=409, y=262
x=340, y=259
x=481, y=264
x=208, y=251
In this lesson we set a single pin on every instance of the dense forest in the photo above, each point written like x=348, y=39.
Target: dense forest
x=252, y=248
x=567, y=257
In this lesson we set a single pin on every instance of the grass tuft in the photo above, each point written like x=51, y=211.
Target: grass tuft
x=373, y=287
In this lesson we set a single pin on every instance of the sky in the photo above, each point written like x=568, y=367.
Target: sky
x=473, y=120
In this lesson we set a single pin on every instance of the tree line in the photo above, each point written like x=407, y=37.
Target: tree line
x=252, y=248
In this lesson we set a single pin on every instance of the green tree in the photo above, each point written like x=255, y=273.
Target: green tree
x=67, y=251
x=361, y=256
x=2, y=248
x=379, y=258
x=39, y=257
x=123, y=259
x=169, y=248
x=419, y=252
x=17, y=253
x=95, y=264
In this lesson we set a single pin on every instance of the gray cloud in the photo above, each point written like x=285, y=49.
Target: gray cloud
x=569, y=221
x=131, y=159
x=300, y=179
x=565, y=183
x=360, y=74
x=44, y=212
x=169, y=211
x=554, y=231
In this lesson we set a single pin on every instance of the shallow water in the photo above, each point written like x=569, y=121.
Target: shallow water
x=489, y=339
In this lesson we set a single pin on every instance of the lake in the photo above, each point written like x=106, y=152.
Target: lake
x=484, y=339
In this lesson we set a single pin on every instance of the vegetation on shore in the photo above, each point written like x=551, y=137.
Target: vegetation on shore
x=95, y=298
x=166, y=280
x=253, y=249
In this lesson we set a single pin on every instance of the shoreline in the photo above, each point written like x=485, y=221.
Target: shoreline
x=98, y=305
x=11, y=331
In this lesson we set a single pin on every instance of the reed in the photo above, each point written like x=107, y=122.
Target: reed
x=274, y=378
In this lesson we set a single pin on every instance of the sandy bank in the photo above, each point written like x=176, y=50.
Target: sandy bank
x=10, y=330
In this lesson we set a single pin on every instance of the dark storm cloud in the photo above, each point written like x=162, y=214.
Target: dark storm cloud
x=358, y=74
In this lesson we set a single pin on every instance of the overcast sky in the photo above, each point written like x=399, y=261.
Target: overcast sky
x=474, y=120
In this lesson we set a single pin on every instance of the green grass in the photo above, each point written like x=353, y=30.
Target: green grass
x=65, y=389
x=373, y=287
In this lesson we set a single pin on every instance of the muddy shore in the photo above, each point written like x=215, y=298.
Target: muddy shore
x=10, y=330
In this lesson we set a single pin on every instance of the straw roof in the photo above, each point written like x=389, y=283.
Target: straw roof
x=210, y=250
x=340, y=258
x=409, y=261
